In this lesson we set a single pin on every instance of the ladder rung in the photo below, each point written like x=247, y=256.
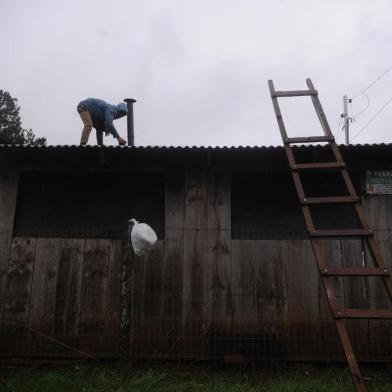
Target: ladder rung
x=308, y=139
x=341, y=233
x=355, y=271
x=330, y=200
x=321, y=165
x=293, y=93
x=363, y=314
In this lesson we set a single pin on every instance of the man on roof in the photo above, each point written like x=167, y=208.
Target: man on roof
x=100, y=115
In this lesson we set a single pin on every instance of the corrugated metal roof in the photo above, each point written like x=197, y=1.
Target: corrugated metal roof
x=88, y=147
x=93, y=147
x=270, y=158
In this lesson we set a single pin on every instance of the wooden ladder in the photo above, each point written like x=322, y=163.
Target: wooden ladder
x=339, y=314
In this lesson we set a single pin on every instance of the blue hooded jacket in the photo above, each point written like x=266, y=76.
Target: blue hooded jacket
x=103, y=114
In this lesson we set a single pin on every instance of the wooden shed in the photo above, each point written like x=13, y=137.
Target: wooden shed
x=232, y=276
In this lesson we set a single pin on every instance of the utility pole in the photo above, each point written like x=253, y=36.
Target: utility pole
x=346, y=119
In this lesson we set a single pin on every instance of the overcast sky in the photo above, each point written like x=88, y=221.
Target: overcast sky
x=198, y=69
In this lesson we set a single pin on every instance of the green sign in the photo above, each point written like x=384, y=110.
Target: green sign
x=378, y=182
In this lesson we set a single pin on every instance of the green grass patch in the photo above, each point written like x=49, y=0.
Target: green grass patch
x=87, y=378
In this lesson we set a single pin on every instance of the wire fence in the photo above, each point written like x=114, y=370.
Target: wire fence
x=199, y=296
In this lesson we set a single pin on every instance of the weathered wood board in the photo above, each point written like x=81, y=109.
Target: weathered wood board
x=196, y=199
x=173, y=263
x=219, y=306
x=43, y=293
x=69, y=285
x=194, y=294
x=8, y=196
x=19, y=280
x=93, y=298
x=15, y=337
x=195, y=270
x=113, y=301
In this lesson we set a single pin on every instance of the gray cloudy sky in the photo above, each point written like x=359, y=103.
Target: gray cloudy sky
x=198, y=68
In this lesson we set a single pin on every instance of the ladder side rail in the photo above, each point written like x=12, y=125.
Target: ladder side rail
x=356, y=375
x=361, y=216
x=278, y=114
x=348, y=182
x=350, y=187
x=320, y=112
x=336, y=152
x=289, y=154
x=319, y=254
x=298, y=185
x=308, y=218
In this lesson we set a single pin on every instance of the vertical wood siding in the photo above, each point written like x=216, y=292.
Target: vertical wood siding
x=200, y=294
x=378, y=209
x=68, y=290
x=8, y=195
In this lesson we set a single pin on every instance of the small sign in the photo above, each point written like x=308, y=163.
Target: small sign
x=378, y=182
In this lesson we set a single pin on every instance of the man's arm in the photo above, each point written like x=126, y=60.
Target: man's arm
x=109, y=123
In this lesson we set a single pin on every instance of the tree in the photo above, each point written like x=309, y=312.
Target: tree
x=11, y=131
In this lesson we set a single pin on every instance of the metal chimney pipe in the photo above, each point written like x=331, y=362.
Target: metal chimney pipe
x=131, y=133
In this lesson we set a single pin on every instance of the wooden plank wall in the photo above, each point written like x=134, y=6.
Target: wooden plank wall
x=200, y=294
x=63, y=289
x=207, y=294
x=182, y=294
x=378, y=209
x=157, y=284
x=172, y=344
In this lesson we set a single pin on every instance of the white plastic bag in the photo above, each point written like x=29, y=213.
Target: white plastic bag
x=143, y=237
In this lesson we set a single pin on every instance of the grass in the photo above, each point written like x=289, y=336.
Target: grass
x=87, y=378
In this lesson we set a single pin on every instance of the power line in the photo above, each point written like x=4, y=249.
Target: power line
x=354, y=116
x=371, y=84
x=373, y=118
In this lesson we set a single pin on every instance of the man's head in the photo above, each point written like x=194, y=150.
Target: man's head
x=121, y=110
